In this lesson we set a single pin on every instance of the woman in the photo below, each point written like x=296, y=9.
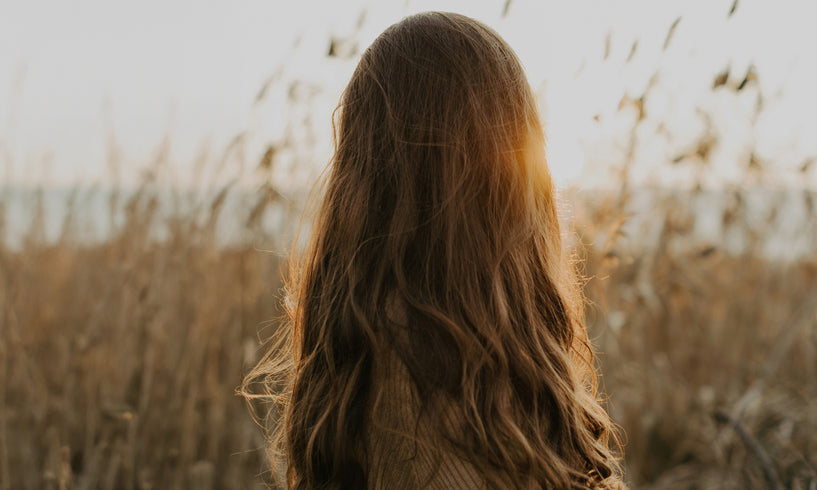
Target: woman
x=436, y=335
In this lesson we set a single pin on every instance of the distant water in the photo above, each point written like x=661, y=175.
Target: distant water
x=784, y=221
x=92, y=214
x=778, y=224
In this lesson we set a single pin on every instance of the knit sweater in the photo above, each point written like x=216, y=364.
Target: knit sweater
x=396, y=460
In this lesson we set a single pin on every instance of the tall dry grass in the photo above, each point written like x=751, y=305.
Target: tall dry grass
x=709, y=358
x=119, y=360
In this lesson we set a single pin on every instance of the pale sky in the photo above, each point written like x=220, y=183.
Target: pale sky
x=72, y=72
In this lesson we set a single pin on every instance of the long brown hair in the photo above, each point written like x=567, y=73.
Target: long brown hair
x=438, y=199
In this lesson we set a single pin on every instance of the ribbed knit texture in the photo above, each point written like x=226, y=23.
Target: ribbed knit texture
x=398, y=462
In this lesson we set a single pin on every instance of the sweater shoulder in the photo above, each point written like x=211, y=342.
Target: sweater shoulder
x=404, y=451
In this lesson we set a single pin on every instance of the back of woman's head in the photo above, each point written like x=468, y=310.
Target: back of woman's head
x=437, y=240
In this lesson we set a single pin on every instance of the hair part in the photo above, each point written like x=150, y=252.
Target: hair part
x=438, y=239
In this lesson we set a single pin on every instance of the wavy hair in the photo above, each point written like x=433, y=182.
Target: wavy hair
x=438, y=199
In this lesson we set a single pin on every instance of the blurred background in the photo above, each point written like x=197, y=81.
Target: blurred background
x=155, y=157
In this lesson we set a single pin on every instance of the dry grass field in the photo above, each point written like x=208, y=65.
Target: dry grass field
x=709, y=359
x=119, y=360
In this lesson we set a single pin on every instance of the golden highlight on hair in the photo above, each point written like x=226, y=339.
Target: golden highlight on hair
x=438, y=240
